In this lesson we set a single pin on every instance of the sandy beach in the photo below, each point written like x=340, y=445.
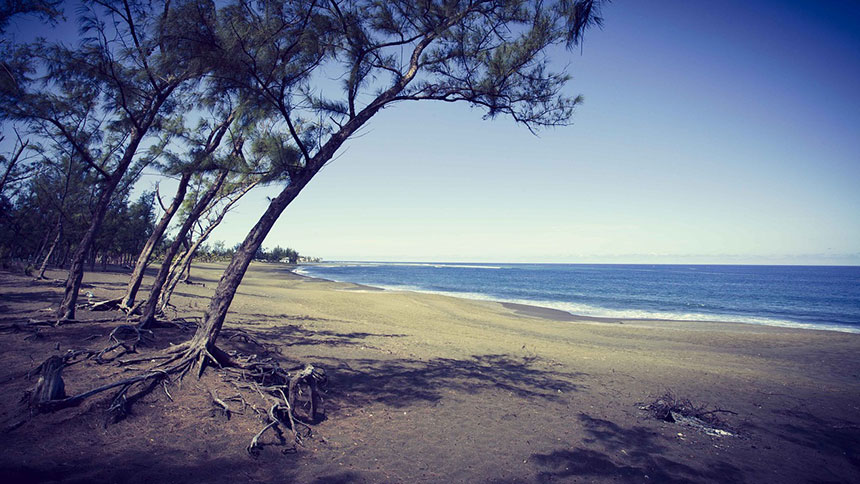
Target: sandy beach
x=430, y=388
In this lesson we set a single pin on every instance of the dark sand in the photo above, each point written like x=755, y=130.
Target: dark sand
x=427, y=388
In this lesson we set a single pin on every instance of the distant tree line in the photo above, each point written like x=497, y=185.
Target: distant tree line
x=45, y=211
x=218, y=251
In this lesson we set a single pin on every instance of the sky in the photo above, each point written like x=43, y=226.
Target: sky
x=711, y=132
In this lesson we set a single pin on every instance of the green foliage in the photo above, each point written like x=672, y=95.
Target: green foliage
x=278, y=254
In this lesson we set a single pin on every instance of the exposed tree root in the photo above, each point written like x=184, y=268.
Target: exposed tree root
x=223, y=407
x=131, y=310
x=126, y=337
x=291, y=398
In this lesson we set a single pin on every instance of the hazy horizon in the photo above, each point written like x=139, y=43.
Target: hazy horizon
x=621, y=261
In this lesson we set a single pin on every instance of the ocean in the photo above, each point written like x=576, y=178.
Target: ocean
x=812, y=297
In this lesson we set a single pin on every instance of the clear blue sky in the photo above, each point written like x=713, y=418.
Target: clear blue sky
x=712, y=132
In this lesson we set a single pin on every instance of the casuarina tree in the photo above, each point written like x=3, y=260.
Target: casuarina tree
x=490, y=54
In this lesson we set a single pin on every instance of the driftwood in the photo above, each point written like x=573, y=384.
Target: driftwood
x=312, y=378
x=683, y=411
x=109, y=305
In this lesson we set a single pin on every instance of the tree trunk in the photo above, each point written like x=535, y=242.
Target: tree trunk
x=56, y=242
x=213, y=319
x=143, y=259
x=207, y=333
x=174, y=278
x=188, y=257
x=65, y=258
x=151, y=307
x=76, y=270
x=43, y=246
x=186, y=266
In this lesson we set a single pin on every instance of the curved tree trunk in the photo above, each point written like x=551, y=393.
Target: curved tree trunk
x=76, y=270
x=182, y=266
x=186, y=266
x=151, y=307
x=203, y=341
x=207, y=333
x=43, y=246
x=143, y=259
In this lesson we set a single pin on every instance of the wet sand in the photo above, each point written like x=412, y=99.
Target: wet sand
x=431, y=388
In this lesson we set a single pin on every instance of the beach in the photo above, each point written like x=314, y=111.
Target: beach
x=433, y=388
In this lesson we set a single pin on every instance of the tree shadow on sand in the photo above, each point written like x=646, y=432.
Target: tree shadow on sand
x=403, y=382
x=632, y=454
x=265, y=341
x=836, y=437
x=400, y=382
x=23, y=301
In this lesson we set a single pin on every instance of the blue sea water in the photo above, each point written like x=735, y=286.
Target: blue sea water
x=812, y=297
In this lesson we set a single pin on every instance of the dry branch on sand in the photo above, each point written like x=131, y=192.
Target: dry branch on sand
x=670, y=408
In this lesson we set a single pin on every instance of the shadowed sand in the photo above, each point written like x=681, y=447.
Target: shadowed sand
x=431, y=388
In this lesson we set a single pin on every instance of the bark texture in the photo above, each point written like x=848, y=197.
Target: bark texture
x=76, y=270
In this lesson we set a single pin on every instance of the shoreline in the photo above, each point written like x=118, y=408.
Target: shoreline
x=537, y=310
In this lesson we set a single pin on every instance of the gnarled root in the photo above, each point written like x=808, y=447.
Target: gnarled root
x=292, y=396
x=124, y=336
x=306, y=380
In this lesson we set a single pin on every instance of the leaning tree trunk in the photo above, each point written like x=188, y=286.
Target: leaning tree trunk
x=175, y=275
x=184, y=265
x=43, y=246
x=203, y=341
x=151, y=307
x=54, y=245
x=76, y=270
x=207, y=333
x=143, y=259
x=185, y=273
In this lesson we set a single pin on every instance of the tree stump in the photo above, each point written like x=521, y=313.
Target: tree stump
x=50, y=386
